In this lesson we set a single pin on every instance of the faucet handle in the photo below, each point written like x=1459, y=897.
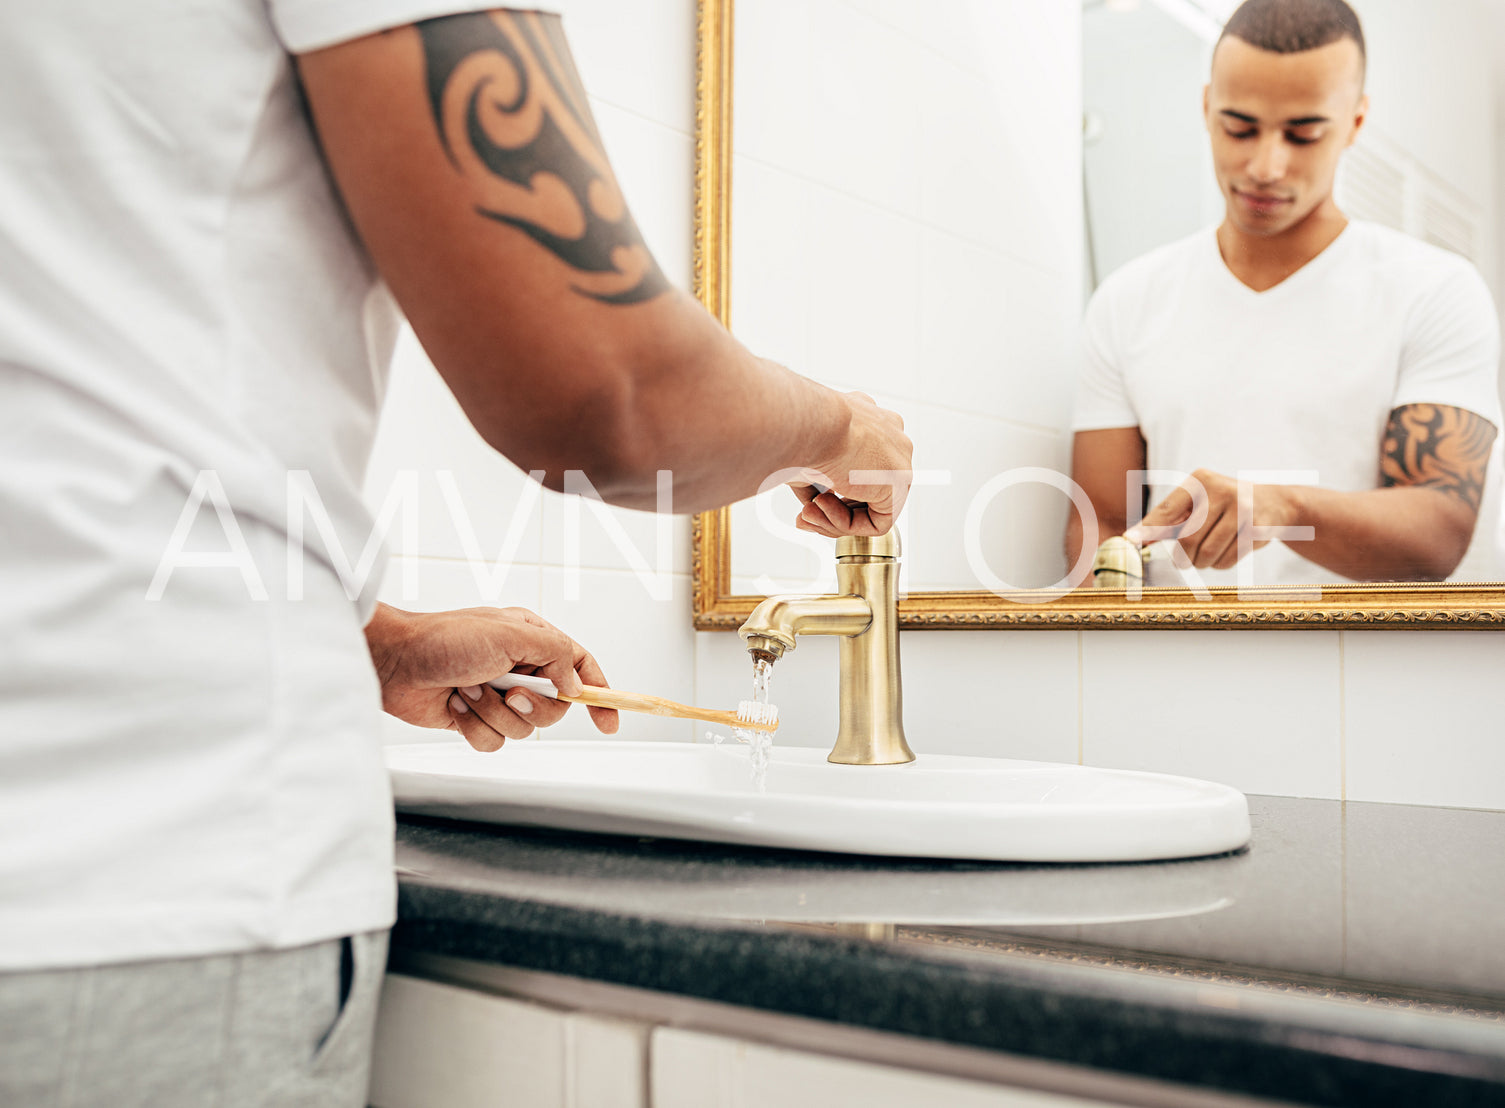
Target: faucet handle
x=869, y=546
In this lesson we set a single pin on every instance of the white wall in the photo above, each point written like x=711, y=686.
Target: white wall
x=1400, y=716
x=1148, y=165
x=905, y=182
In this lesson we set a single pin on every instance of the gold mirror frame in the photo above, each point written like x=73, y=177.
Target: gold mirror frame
x=1390, y=605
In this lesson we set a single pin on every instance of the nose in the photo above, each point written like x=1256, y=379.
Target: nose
x=1268, y=165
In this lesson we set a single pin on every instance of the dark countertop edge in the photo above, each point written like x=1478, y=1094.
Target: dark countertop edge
x=1302, y=1050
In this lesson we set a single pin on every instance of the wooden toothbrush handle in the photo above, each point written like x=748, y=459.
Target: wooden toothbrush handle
x=598, y=697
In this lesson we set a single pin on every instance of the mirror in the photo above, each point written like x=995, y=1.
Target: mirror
x=885, y=216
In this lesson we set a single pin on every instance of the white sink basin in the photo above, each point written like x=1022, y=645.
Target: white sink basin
x=937, y=806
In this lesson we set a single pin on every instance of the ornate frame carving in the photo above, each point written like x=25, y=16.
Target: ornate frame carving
x=1410, y=605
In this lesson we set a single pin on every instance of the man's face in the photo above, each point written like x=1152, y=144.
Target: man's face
x=1279, y=123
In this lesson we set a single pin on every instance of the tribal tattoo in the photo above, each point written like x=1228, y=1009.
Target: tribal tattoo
x=512, y=116
x=1431, y=446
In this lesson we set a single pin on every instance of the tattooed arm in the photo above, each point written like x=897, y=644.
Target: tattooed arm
x=1101, y=461
x=1416, y=527
x=466, y=153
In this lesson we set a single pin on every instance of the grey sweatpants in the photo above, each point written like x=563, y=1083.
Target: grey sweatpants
x=267, y=1029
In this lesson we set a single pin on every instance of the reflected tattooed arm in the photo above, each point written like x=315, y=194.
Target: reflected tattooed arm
x=1416, y=527
x=1101, y=461
x=466, y=153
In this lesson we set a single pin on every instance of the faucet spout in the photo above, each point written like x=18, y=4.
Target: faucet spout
x=776, y=624
x=865, y=614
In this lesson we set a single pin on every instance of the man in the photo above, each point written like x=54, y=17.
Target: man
x=1355, y=363
x=195, y=828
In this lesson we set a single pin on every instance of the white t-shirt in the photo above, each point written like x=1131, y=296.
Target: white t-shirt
x=1301, y=377
x=179, y=293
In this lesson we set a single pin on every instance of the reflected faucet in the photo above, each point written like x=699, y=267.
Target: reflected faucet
x=864, y=611
x=1119, y=564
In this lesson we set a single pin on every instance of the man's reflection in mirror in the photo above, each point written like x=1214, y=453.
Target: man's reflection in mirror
x=1289, y=339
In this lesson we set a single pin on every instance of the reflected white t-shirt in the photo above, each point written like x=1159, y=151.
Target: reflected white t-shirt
x=1299, y=378
x=180, y=293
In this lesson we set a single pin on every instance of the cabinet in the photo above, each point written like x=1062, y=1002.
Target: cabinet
x=441, y=1046
x=690, y=1069
x=446, y=1046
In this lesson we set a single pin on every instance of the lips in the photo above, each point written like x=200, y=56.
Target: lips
x=1261, y=203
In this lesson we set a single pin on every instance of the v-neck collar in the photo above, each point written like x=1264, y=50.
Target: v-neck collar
x=1320, y=261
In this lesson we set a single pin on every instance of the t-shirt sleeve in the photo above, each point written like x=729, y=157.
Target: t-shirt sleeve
x=305, y=25
x=1102, y=397
x=1451, y=350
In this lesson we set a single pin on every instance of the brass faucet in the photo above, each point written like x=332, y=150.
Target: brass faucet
x=1119, y=564
x=865, y=612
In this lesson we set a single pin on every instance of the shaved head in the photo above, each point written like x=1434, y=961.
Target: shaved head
x=1296, y=26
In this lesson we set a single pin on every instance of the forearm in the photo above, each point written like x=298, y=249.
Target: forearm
x=667, y=389
x=1390, y=534
x=722, y=420
x=1108, y=524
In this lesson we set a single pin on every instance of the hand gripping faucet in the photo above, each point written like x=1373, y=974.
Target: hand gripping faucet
x=865, y=612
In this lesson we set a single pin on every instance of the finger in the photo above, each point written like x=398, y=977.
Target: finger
x=539, y=711
x=1236, y=550
x=1215, y=541
x=807, y=493
x=510, y=715
x=542, y=648
x=829, y=509
x=868, y=519
x=813, y=519
x=1164, y=520
x=802, y=524
x=572, y=670
x=478, y=733
x=607, y=720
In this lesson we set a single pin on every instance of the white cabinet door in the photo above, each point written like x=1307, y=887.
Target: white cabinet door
x=440, y=1046
x=694, y=1070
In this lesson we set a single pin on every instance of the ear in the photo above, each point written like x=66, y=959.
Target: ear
x=1207, y=104
x=1360, y=114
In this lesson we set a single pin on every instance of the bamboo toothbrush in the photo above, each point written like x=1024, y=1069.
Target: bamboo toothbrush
x=749, y=714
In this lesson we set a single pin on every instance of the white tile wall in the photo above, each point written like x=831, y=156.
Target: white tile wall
x=603, y=537
x=864, y=291
x=425, y=435
x=1423, y=717
x=992, y=694
x=640, y=639
x=772, y=273
x=1258, y=710
x=1006, y=327
x=1012, y=525
x=655, y=165
x=638, y=57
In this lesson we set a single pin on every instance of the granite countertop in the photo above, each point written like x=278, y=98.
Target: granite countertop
x=1354, y=954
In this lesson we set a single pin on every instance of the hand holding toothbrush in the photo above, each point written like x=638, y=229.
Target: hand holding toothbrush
x=434, y=667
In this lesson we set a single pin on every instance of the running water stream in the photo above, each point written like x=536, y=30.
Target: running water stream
x=760, y=741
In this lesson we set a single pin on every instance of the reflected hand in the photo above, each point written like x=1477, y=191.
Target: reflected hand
x=434, y=667
x=1208, y=514
x=877, y=452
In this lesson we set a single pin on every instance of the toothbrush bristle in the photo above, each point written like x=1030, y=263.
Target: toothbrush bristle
x=750, y=711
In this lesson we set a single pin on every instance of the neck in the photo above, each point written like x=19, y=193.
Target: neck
x=1264, y=261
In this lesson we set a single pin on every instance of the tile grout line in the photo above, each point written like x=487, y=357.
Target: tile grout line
x=1342, y=721
x=917, y=221
x=1080, y=699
